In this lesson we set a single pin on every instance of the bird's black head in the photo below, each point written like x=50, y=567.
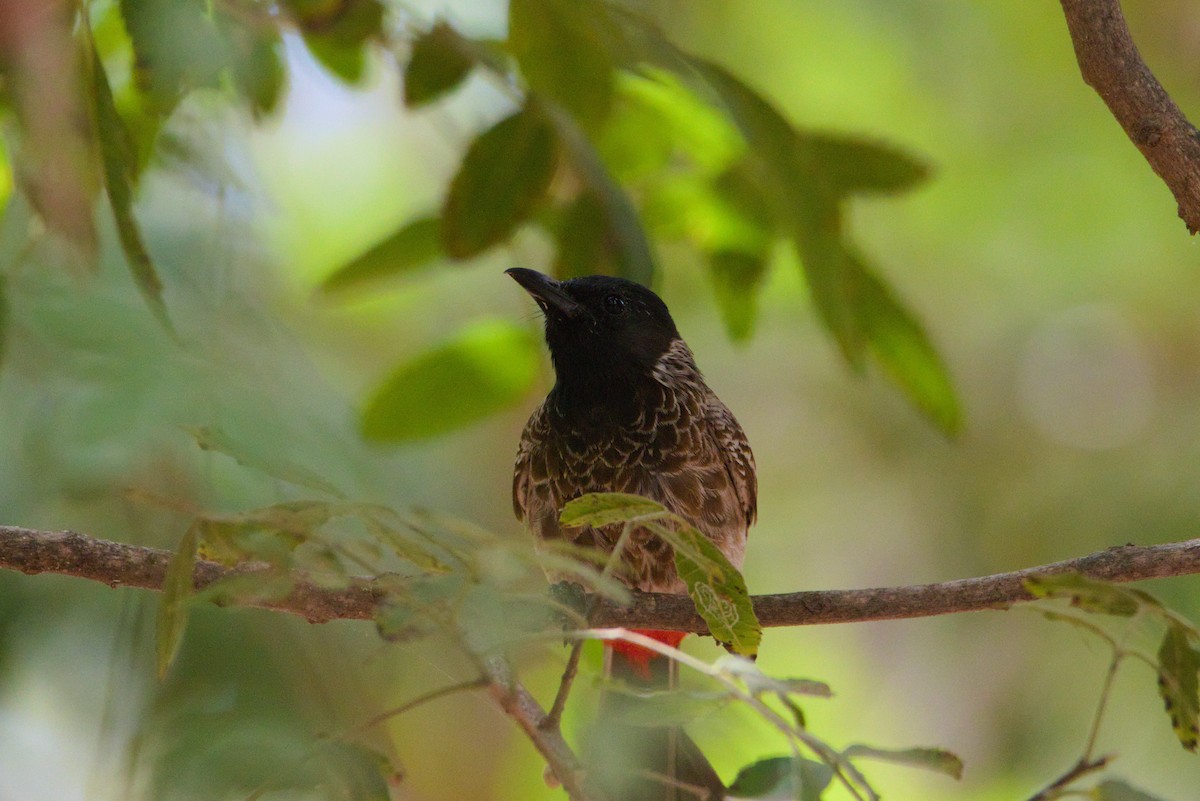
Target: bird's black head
x=600, y=327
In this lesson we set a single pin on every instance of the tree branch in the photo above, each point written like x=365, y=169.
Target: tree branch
x=1110, y=63
x=120, y=565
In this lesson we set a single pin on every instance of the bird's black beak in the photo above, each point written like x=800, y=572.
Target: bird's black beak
x=546, y=291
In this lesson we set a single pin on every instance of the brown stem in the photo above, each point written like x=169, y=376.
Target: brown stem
x=1110, y=63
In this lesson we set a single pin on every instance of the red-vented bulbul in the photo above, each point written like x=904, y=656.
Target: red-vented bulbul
x=630, y=412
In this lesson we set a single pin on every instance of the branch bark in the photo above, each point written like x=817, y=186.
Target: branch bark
x=120, y=565
x=1110, y=63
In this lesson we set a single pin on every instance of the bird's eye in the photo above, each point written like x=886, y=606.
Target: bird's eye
x=614, y=304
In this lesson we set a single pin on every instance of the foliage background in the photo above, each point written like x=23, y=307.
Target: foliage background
x=1044, y=257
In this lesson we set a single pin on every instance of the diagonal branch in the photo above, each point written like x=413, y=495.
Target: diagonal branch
x=1110, y=63
x=120, y=565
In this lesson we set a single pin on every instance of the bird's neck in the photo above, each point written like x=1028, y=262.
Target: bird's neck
x=619, y=394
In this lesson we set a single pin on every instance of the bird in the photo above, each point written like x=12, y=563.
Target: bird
x=630, y=412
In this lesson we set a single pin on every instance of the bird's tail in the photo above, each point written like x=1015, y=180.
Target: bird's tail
x=636, y=762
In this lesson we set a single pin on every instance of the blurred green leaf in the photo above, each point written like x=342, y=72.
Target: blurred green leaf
x=935, y=759
x=898, y=340
x=120, y=166
x=441, y=59
x=782, y=779
x=562, y=47
x=336, y=31
x=256, y=65
x=177, y=47
x=1089, y=594
x=737, y=279
x=1117, y=790
x=859, y=166
x=3, y=319
x=412, y=246
x=173, y=605
x=487, y=367
x=606, y=508
x=504, y=175
x=210, y=438
x=1179, y=684
x=668, y=708
x=623, y=228
x=580, y=235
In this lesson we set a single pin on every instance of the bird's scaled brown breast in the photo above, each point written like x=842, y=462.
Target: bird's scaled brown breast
x=682, y=448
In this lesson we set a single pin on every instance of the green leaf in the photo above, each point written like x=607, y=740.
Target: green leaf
x=898, y=340
x=782, y=779
x=335, y=32
x=935, y=759
x=562, y=47
x=623, y=228
x=441, y=59
x=737, y=278
x=177, y=47
x=119, y=167
x=415, y=245
x=1117, y=790
x=606, y=508
x=218, y=440
x=1089, y=594
x=504, y=175
x=667, y=708
x=173, y=605
x=580, y=237
x=487, y=367
x=256, y=65
x=860, y=166
x=1178, y=684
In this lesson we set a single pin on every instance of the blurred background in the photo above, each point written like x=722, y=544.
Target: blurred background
x=1044, y=258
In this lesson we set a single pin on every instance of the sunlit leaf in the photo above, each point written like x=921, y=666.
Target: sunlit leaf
x=935, y=759
x=504, y=175
x=441, y=59
x=1089, y=594
x=174, y=603
x=1179, y=685
x=623, y=228
x=1117, y=790
x=862, y=166
x=782, y=779
x=487, y=367
x=119, y=166
x=606, y=508
x=563, y=49
x=412, y=246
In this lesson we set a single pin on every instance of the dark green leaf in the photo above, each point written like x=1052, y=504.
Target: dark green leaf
x=782, y=779
x=581, y=237
x=120, y=165
x=1179, y=685
x=898, y=340
x=860, y=166
x=1088, y=594
x=624, y=234
x=414, y=245
x=503, y=177
x=177, y=47
x=173, y=605
x=563, y=49
x=257, y=67
x=606, y=508
x=336, y=31
x=1117, y=790
x=737, y=278
x=441, y=59
x=935, y=759
x=487, y=367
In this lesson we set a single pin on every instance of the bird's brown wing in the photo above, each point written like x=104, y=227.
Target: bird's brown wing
x=738, y=458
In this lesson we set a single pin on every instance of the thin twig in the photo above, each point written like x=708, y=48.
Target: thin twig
x=1082, y=768
x=432, y=695
x=554, y=716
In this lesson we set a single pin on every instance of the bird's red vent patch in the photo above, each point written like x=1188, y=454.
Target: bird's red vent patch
x=639, y=658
